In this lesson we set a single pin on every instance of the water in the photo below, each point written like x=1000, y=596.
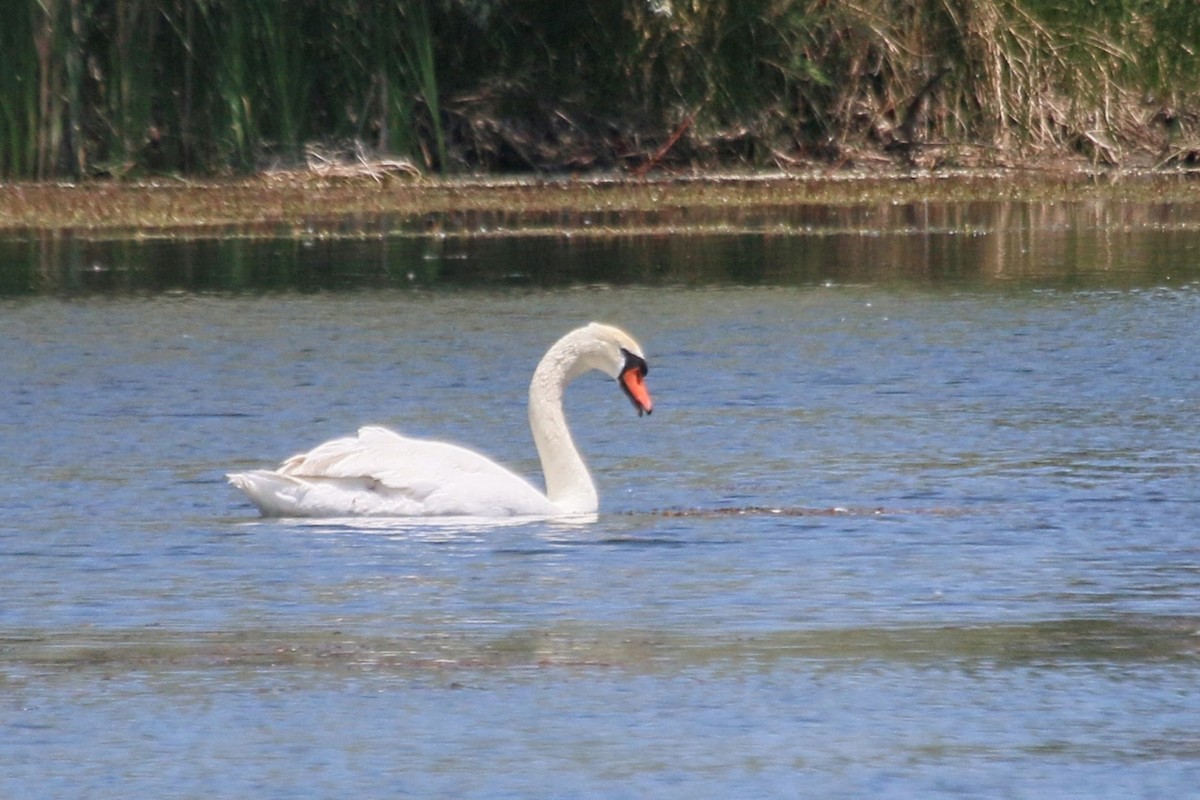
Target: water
x=915, y=516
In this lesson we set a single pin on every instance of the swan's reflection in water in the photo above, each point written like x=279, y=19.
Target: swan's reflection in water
x=435, y=528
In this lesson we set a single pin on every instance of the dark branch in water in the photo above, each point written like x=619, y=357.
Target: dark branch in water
x=796, y=511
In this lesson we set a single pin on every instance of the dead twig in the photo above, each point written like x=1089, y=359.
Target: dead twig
x=652, y=162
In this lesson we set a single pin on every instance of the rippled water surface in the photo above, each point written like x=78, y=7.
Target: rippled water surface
x=915, y=516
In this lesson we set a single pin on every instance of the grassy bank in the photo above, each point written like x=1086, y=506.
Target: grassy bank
x=125, y=88
x=307, y=205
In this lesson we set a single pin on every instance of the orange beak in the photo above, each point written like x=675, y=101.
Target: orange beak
x=634, y=383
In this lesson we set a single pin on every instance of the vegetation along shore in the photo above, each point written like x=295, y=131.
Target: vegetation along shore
x=138, y=89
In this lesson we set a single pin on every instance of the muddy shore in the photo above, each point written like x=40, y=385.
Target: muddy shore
x=378, y=202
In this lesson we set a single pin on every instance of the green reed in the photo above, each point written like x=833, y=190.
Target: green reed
x=259, y=79
x=19, y=92
x=418, y=50
x=128, y=80
x=278, y=29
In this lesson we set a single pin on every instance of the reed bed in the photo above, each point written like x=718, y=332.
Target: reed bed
x=130, y=87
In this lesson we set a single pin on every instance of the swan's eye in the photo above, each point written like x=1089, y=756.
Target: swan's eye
x=634, y=362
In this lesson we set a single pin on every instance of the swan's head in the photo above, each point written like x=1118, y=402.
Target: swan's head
x=595, y=346
x=616, y=353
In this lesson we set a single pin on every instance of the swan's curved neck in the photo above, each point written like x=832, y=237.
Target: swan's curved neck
x=568, y=483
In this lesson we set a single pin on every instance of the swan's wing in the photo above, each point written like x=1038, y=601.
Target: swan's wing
x=390, y=473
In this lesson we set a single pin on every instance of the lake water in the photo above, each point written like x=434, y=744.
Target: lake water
x=916, y=515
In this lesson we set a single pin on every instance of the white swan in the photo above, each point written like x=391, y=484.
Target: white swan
x=381, y=473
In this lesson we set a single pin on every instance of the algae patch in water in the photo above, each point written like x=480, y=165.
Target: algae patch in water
x=1130, y=639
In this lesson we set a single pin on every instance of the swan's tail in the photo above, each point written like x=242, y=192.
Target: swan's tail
x=275, y=495
x=279, y=495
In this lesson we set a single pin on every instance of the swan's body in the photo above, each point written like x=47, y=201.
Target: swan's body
x=382, y=473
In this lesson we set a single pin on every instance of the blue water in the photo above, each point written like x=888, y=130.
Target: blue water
x=931, y=533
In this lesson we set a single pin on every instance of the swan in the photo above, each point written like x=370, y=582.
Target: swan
x=380, y=472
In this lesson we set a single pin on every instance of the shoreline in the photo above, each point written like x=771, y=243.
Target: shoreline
x=368, y=201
